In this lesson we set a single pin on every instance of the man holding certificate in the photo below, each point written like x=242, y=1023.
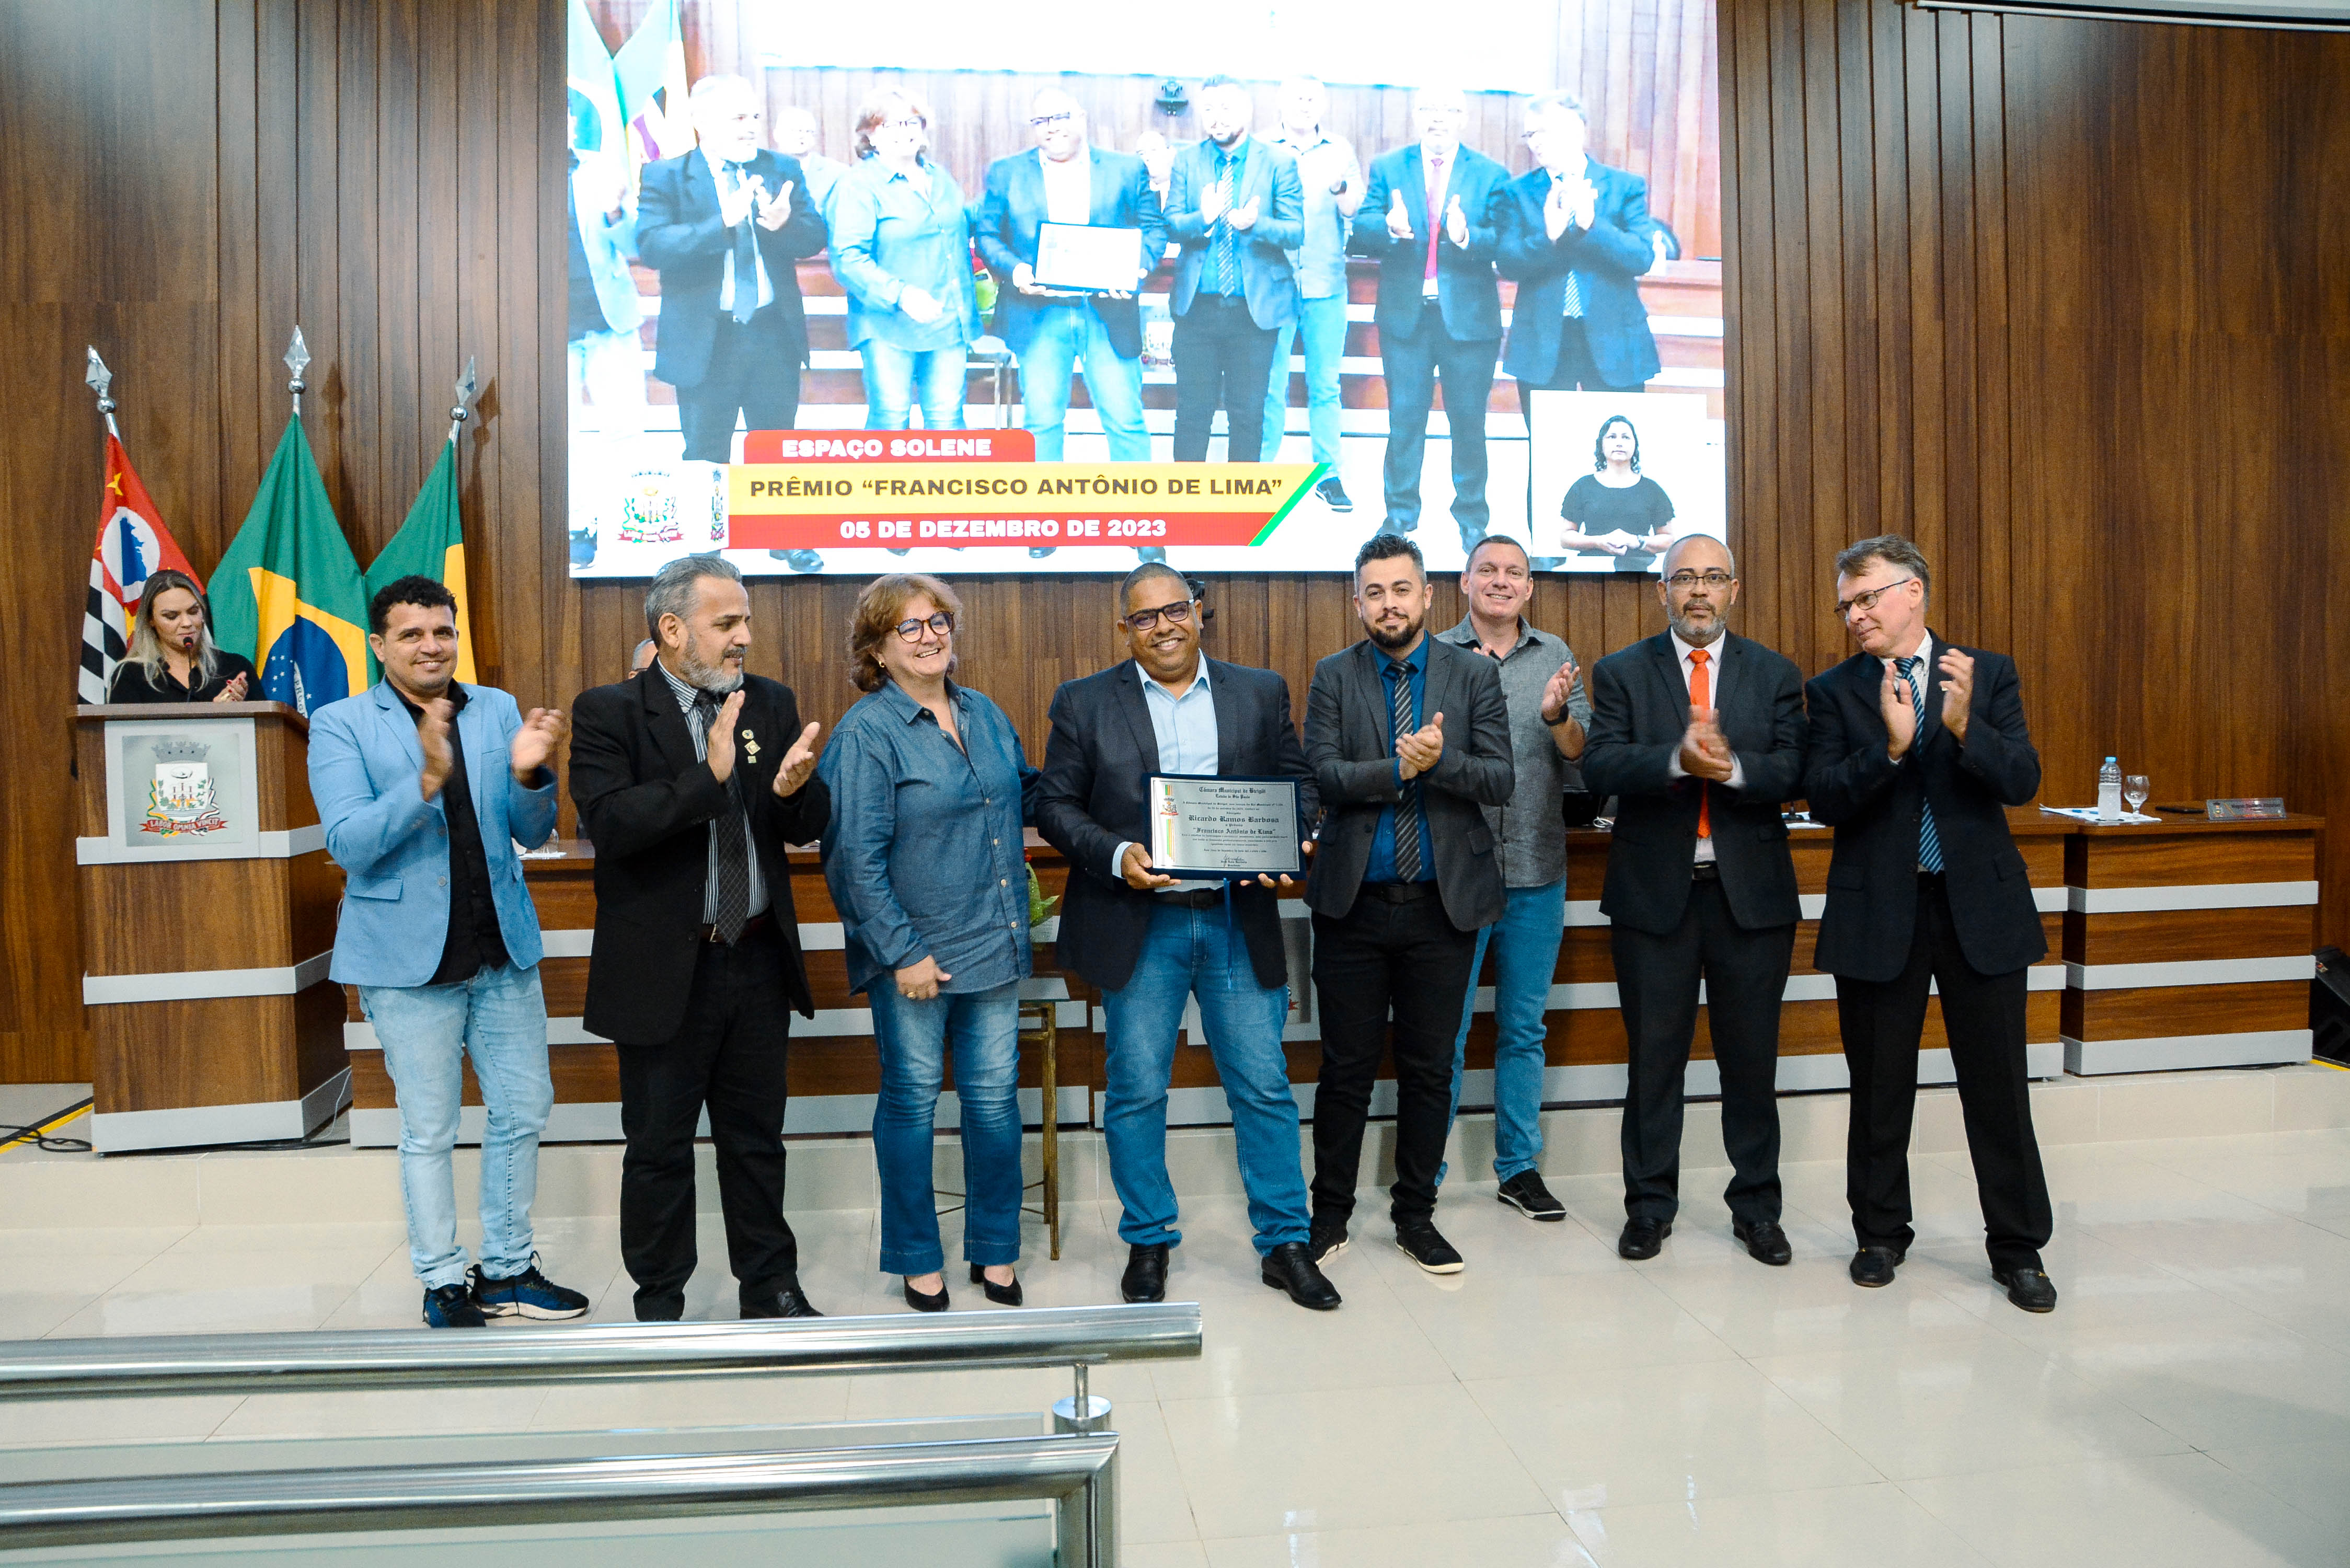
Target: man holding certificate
x=1172, y=752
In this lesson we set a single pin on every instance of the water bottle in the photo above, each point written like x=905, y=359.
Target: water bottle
x=2109, y=792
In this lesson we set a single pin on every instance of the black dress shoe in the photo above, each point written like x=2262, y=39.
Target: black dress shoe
x=1525, y=1193
x=800, y=561
x=1001, y=1295
x=2028, y=1288
x=934, y=1300
x=1147, y=553
x=1288, y=1267
x=785, y=1302
x=1038, y=552
x=1874, y=1266
x=1144, y=1279
x=1765, y=1242
x=1325, y=1240
x=1642, y=1239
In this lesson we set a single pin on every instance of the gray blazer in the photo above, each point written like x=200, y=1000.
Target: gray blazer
x=1350, y=746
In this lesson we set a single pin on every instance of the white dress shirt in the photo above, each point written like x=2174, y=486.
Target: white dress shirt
x=1068, y=187
x=1705, y=851
x=1184, y=724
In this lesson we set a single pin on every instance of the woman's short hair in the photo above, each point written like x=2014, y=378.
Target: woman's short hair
x=1599, y=442
x=883, y=104
x=146, y=650
x=880, y=608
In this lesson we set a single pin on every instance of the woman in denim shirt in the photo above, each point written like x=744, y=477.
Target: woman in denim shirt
x=923, y=856
x=901, y=247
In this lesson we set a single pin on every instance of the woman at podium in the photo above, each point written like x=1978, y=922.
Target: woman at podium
x=172, y=656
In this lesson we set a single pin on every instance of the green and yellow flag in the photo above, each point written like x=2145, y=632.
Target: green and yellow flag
x=288, y=594
x=430, y=543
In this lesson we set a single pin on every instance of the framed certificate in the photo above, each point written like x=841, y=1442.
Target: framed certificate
x=1206, y=825
x=1082, y=256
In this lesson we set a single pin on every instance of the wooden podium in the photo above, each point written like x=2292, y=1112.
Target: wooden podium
x=208, y=920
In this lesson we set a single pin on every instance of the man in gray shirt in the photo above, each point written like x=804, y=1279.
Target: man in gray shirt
x=1333, y=180
x=1547, y=713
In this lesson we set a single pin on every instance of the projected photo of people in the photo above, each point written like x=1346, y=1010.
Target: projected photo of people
x=1616, y=509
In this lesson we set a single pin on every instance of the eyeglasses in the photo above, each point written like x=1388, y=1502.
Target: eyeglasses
x=1684, y=581
x=1177, y=614
x=1868, y=601
x=1044, y=121
x=903, y=124
x=911, y=630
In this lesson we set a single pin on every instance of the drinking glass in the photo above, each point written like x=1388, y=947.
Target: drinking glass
x=2134, y=792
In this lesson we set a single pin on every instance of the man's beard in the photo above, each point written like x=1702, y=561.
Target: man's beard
x=719, y=679
x=1393, y=640
x=1698, y=636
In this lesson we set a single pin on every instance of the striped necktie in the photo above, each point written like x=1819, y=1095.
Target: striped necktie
x=1929, y=843
x=1227, y=245
x=1407, y=807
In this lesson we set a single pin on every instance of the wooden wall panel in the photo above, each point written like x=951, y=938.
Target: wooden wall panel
x=2069, y=301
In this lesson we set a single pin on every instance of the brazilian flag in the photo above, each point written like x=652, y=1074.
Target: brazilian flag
x=288, y=595
x=430, y=543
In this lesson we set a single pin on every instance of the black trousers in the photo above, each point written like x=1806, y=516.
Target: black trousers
x=1383, y=954
x=1745, y=976
x=1983, y=1015
x=1411, y=362
x=1576, y=369
x=754, y=371
x=730, y=1056
x=1221, y=356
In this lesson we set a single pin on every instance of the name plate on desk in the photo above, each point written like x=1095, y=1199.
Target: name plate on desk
x=1202, y=825
x=181, y=788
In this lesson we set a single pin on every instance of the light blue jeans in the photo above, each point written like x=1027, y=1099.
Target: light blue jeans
x=895, y=377
x=983, y=1029
x=1066, y=334
x=499, y=1019
x=1196, y=952
x=1525, y=939
x=1322, y=323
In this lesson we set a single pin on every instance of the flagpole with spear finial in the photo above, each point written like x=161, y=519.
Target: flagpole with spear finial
x=98, y=379
x=297, y=357
x=465, y=408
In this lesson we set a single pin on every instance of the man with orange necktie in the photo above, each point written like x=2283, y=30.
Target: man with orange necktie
x=1700, y=735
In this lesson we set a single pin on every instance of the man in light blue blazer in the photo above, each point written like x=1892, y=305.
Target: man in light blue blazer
x=423, y=786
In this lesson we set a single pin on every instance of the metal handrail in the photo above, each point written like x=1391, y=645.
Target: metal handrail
x=1077, y=1473
x=380, y=1358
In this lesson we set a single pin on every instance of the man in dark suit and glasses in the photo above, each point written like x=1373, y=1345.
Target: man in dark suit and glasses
x=1151, y=943
x=1576, y=236
x=1235, y=206
x=723, y=224
x=1428, y=218
x=1409, y=737
x=1917, y=748
x=693, y=778
x=1699, y=733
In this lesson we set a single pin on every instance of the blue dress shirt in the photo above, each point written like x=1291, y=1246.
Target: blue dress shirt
x=1382, y=865
x=923, y=854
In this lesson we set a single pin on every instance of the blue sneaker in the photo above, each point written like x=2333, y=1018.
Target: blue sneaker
x=529, y=1294
x=451, y=1307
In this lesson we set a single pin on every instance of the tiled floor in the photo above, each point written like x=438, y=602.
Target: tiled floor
x=2187, y=1403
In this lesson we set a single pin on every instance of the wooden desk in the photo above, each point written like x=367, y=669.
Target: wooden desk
x=2188, y=943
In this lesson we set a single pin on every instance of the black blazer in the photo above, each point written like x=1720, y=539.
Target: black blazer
x=1467, y=294
x=1639, y=711
x=646, y=803
x=1609, y=258
x=1872, y=802
x=1090, y=800
x=678, y=232
x=1350, y=745
x=130, y=683
x=1012, y=210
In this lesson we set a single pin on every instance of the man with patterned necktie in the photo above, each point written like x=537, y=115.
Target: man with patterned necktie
x=723, y=225
x=1235, y=206
x=1408, y=738
x=1917, y=748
